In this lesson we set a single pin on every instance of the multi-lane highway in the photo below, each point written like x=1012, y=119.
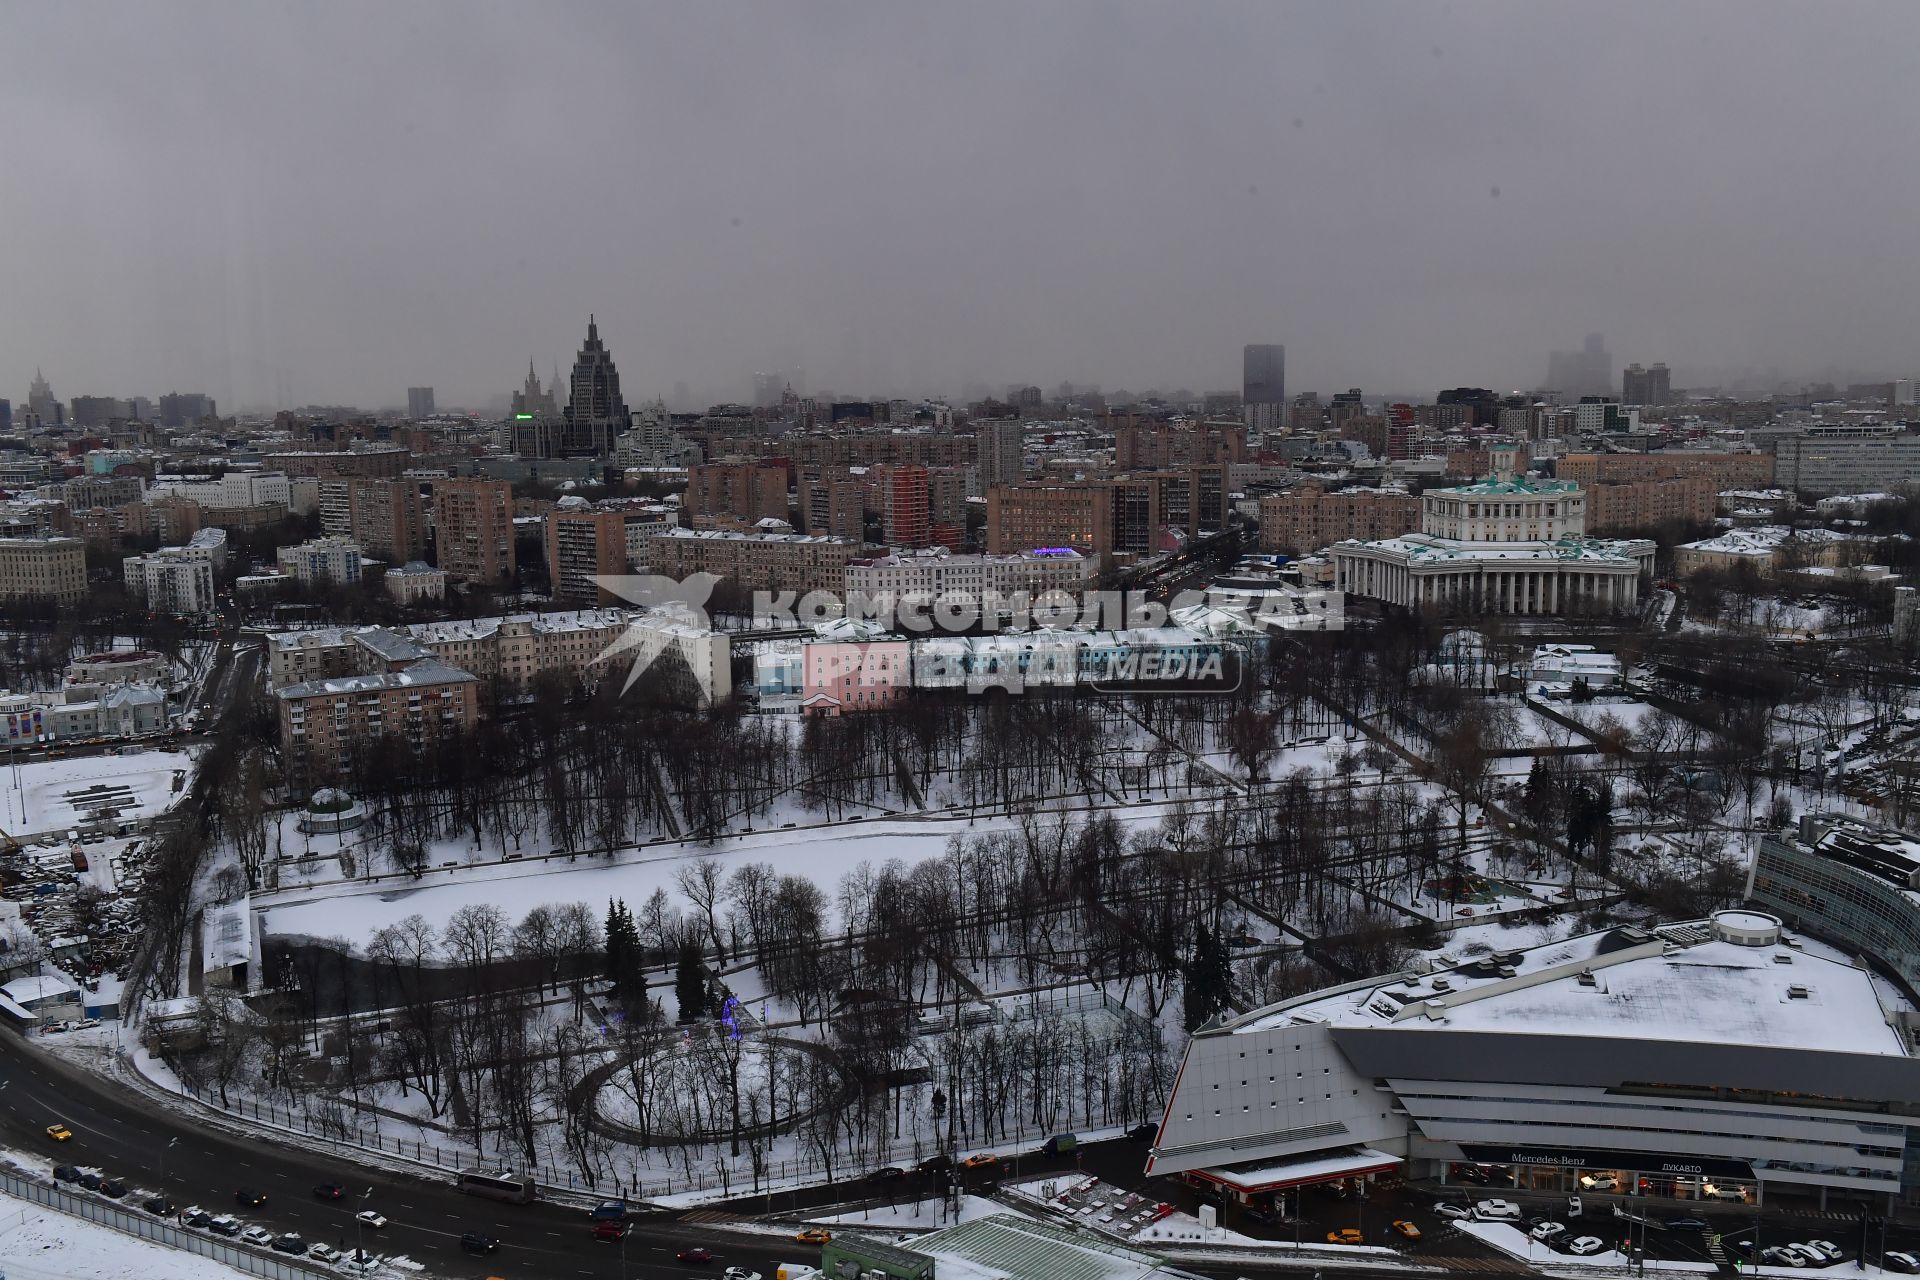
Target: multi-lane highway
x=123, y=1134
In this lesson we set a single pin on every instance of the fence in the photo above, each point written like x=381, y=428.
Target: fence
x=633, y=1181
x=157, y=1230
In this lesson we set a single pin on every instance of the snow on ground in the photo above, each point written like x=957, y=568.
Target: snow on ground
x=823, y=855
x=1512, y=1240
x=1476, y=939
x=917, y=1215
x=53, y=795
x=39, y=1244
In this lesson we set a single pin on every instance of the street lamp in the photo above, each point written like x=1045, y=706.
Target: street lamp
x=171, y=1144
x=359, y=1230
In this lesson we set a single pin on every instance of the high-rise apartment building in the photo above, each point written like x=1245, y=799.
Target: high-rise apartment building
x=1263, y=388
x=900, y=497
x=596, y=413
x=386, y=517
x=419, y=402
x=580, y=546
x=1000, y=451
x=1648, y=387
x=473, y=530
x=747, y=490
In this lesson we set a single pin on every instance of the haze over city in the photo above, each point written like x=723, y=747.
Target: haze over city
x=294, y=204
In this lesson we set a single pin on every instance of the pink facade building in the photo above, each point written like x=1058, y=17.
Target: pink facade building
x=843, y=677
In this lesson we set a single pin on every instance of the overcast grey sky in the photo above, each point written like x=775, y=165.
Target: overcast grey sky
x=332, y=201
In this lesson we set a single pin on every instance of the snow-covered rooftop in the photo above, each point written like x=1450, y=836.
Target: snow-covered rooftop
x=1762, y=540
x=1426, y=548
x=1680, y=982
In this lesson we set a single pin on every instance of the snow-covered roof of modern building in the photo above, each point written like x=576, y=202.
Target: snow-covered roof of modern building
x=1683, y=982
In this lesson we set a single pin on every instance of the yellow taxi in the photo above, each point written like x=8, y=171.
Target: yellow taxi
x=59, y=1132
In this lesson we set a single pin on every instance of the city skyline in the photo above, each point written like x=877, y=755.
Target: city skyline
x=1102, y=193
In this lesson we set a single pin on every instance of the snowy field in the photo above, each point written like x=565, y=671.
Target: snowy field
x=39, y=1244
x=51, y=795
x=823, y=855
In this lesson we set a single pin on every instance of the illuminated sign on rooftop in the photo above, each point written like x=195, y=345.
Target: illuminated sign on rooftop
x=1053, y=551
x=523, y=417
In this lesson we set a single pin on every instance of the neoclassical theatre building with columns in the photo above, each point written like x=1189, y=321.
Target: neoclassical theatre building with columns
x=1500, y=546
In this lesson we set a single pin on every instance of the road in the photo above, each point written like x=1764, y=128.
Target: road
x=123, y=1134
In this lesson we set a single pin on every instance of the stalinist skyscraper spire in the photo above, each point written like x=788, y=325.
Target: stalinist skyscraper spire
x=595, y=411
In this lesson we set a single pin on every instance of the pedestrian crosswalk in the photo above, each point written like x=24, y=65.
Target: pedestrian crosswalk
x=713, y=1217
x=1492, y=1266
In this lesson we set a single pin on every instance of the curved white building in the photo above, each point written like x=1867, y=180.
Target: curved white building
x=1722, y=1053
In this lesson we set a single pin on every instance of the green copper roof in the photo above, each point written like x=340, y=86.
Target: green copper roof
x=1491, y=485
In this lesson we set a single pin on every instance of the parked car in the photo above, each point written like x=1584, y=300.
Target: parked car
x=1585, y=1245
x=1904, y=1263
x=1546, y=1231
x=112, y=1188
x=1824, y=1253
x=65, y=1173
x=324, y=1253
x=289, y=1243
x=610, y=1229
x=196, y=1218
x=257, y=1235
x=1713, y=1192
x=1782, y=1256
x=474, y=1242
x=371, y=1218
x=739, y=1273
x=695, y=1254
x=224, y=1225
x=158, y=1206
x=814, y=1235
x=1406, y=1229
x=1600, y=1181
x=1496, y=1211
x=1574, y=1206
x=1346, y=1235
x=1449, y=1210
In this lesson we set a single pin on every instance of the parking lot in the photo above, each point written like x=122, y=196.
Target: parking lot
x=1698, y=1229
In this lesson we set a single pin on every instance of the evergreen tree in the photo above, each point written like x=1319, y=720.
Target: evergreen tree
x=690, y=983
x=618, y=925
x=1209, y=979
